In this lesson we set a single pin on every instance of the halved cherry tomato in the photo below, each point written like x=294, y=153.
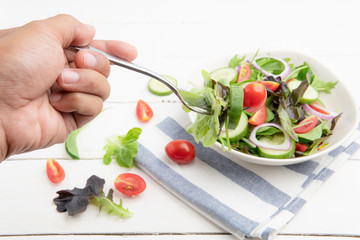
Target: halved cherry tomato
x=143, y=111
x=54, y=171
x=254, y=96
x=301, y=147
x=180, y=151
x=306, y=125
x=244, y=73
x=270, y=85
x=130, y=184
x=259, y=116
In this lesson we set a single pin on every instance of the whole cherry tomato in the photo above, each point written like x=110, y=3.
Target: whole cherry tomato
x=54, y=171
x=130, y=184
x=180, y=151
x=254, y=96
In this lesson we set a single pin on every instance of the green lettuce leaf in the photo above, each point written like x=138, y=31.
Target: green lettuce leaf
x=107, y=204
x=123, y=148
x=320, y=85
x=314, y=134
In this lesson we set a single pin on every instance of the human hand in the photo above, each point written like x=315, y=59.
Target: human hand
x=45, y=91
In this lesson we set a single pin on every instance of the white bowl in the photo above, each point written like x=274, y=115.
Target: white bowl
x=339, y=100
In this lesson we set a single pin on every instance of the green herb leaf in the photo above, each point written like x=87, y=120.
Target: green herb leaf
x=271, y=65
x=286, y=123
x=235, y=61
x=323, y=86
x=123, y=148
x=314, y=134
x=207, y=127
x=107, y=204
x=299, y=92
x=207, y=78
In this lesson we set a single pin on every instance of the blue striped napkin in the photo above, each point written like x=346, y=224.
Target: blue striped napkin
x=245, y=199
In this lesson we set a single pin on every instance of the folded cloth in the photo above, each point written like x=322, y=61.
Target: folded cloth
x=247, y=200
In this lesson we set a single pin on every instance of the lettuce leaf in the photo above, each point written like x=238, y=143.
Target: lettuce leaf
x=75, y=201
x=123, y=148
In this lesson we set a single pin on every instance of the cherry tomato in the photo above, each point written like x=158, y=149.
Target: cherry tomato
x=259, y=116
x=254, y=96
x=270, y=85
x=301, y=147
x=54, y=171
x=143, y=111
x=244, y=73
x=306, y=125
x=130, y=184
x=180, y=151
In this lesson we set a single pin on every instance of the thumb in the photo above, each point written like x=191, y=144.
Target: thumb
x=69, y=31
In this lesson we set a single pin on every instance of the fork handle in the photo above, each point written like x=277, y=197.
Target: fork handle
x=131, y=66
x=134, y=67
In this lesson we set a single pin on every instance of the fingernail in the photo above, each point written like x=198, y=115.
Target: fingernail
x=70, y=76
x=89, y=60
x=55, y=97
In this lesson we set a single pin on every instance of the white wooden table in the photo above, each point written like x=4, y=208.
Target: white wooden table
x=173, y=37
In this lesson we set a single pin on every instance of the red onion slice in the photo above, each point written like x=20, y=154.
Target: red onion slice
x=286, y=145
x=282, y=75
x=320, y=115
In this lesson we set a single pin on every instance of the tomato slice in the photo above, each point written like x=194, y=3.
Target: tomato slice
x=244, y=73
x=259, y=116
x=318, y=109
x=254, y=96
x=301, y=147
x=180, y=151
x=291, y=79
x=54, y=171
x=143, y=111
x=306, y=125
x=270, y=85
x=130, y=184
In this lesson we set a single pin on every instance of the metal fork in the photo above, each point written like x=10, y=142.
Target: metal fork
x=185, y=97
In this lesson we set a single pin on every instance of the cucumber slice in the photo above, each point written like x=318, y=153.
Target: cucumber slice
x=310, y=95
x=158, y=88
x=236, y=105
x=239, y=132
x=224, y=75
x=276, y=139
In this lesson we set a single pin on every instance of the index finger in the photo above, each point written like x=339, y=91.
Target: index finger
x=117, y=48
x=69, y=31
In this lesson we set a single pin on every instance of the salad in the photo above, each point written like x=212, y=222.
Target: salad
x=264, y=106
